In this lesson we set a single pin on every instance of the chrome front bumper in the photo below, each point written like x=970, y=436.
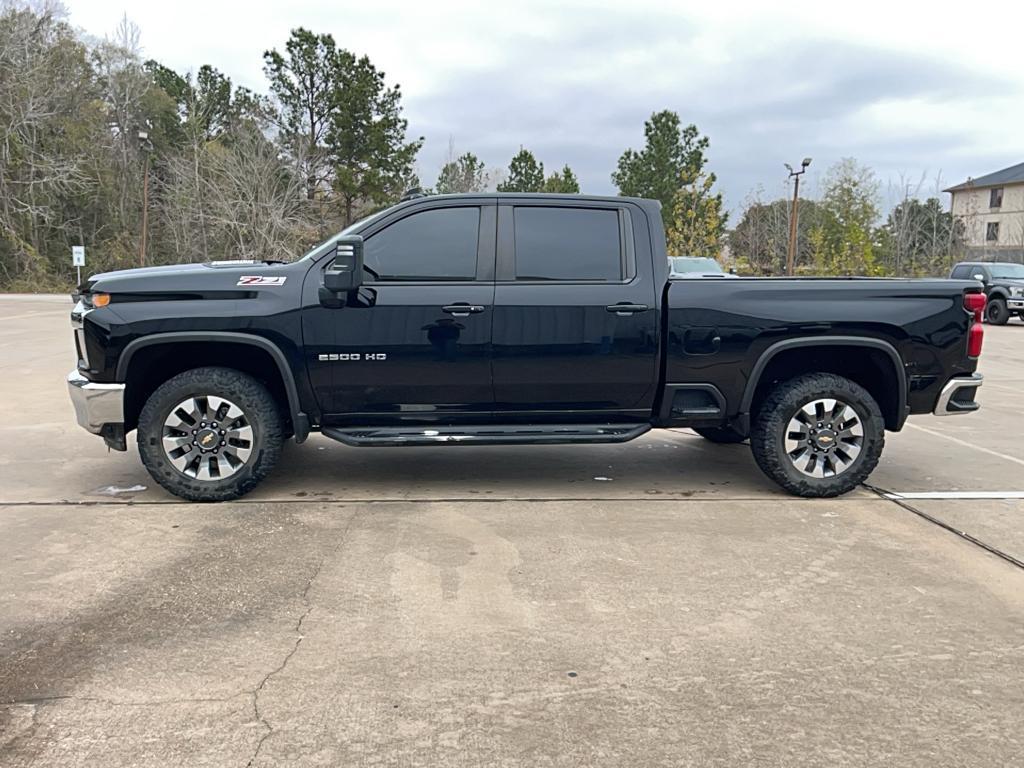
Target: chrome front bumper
x=958, y=395
x=96, y=404
x=1015, y=305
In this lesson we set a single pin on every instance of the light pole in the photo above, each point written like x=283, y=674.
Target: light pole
x=791, y=255
x=145, y=146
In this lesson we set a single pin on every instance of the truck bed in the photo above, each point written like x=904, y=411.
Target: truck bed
x=725, y=332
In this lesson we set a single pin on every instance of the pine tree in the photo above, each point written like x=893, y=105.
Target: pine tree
x=671, y=159
x=696, y=223
x=463, y=174
x=671, y=168
x=525, y=174
x=366, y=138
x=564, y=182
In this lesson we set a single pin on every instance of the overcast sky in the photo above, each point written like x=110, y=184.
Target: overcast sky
x=907, y=88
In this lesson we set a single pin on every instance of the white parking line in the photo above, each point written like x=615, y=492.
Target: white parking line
x=958, y=441
x=940, y=495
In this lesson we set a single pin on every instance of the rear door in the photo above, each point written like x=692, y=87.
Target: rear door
x=415, y=347
x=575, y=332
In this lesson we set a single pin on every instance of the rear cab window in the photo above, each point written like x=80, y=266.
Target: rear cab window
x=570, y=244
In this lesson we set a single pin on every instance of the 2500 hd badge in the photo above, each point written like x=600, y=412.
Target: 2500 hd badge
x=511, y=319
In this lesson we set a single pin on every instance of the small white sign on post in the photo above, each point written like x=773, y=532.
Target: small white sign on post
x=78, y=260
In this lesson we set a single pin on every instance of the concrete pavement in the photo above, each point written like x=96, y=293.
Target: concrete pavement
x=504, y=606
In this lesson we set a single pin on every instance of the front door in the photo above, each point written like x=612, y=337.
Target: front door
x=575, y=322
x=415, y=346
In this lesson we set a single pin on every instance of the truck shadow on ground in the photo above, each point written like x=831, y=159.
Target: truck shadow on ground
x=666, y=463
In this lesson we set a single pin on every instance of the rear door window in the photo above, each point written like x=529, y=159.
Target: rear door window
x=568, y=244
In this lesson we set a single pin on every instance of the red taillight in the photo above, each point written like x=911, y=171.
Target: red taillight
x=975, y=336
x=975, y=303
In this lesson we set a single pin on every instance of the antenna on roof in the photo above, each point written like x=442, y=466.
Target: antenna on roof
x=413, y=193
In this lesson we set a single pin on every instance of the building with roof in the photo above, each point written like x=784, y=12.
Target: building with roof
x=991, y=208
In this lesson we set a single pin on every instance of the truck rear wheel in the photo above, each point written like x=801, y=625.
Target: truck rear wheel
x=818, y=435
x=210, y=434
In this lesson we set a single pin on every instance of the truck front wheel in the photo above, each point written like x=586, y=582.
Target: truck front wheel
x=996, y=313
x=210, y=434
x=818, y=435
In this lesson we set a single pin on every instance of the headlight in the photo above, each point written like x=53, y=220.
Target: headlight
x=95, y=300
x=1017, y=291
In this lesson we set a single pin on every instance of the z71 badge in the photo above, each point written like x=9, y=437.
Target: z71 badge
x=260, y=280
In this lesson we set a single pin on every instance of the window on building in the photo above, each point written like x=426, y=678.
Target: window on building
x=992, y=231
x=995, y=198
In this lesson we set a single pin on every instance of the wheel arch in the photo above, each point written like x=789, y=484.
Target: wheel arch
x=789, y=358
x=148, y=361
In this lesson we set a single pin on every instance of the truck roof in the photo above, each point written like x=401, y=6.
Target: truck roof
x=541, y=196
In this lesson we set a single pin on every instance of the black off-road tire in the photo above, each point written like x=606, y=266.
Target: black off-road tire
x=251, y=396
x=996, y=312
x=724, y=435
x=767, y=437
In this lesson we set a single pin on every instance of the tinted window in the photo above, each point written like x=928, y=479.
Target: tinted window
x=567, y=244
x=963, y=271
x=433, y=245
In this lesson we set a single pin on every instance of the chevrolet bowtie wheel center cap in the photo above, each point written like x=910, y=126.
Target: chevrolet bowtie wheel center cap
x=207, y=437
x=824, y=438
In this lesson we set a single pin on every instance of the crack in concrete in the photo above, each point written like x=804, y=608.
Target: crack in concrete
x=36, y=700
x=255, y=693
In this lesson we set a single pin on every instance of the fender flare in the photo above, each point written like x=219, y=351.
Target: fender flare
x=829, y=341
x=300, y=421
x=997, y=293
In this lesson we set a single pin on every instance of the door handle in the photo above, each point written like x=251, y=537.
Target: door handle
x=624, y=309
x=462, y=310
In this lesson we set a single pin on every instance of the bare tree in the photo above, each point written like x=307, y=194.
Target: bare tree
x=256, y=203
x=45, y=77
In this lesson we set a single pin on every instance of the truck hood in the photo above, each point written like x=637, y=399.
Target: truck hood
x=214, y=275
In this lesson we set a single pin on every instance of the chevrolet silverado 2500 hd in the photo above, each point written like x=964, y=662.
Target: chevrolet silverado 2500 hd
x=487, y=319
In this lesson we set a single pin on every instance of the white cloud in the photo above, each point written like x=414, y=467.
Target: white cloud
x=905, y=87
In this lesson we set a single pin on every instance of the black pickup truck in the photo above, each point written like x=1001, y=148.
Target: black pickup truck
x=495, y=319
x=1003, y=283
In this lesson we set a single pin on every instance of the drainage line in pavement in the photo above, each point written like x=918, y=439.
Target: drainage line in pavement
x=887, y=495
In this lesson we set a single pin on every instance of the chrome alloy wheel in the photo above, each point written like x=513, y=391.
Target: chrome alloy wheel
x=207, y=437
x=824, y=438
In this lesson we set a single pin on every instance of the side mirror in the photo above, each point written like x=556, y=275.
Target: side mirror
x=345, y=272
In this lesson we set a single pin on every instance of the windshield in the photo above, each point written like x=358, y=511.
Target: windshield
x=1007, y=271
x=319, y=248
x=694, y=264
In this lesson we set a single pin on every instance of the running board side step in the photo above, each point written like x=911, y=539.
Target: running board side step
x=487, y=434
